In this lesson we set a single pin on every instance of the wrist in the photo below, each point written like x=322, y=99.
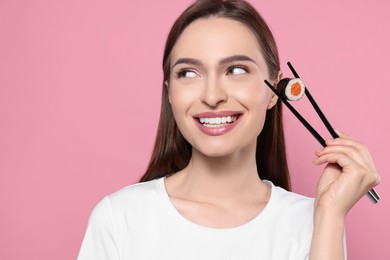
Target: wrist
x=329, y=218
x=328, y=235
x=330, y=209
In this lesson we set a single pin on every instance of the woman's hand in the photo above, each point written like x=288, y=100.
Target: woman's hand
x=348, y=175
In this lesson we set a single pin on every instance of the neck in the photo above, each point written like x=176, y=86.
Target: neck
x=221, y=178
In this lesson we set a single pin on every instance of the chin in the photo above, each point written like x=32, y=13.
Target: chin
x=216, y=153
x=221, y=150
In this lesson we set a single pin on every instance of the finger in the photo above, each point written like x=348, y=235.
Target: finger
x=342, y=134
x=337, y=158
x=351, y=146
x=344, y=141
x=353, y=149
x=363, y=173
x=355, y=153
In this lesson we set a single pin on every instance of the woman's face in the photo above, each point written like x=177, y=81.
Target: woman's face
x=216, y=88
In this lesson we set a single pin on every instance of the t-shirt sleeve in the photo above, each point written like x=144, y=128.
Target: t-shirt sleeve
x=101, y=238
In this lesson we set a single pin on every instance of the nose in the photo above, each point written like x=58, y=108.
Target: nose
x=214, y=93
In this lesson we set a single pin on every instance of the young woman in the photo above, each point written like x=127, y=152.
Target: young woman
x=217, y=183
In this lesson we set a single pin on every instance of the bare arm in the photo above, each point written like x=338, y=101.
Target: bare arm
x=328, y=237
x=349, y=174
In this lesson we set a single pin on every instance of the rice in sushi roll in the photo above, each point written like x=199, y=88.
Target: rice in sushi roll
x=292, y=89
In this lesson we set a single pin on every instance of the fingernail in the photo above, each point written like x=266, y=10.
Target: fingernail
x=331, y=141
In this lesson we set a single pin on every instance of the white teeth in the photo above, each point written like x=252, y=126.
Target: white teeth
x=215, y=121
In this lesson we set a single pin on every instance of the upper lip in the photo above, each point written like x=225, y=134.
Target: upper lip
x=217, y=114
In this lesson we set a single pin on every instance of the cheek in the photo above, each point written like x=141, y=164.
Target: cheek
x=182, y=94
x=181, y=99
x=254, y=97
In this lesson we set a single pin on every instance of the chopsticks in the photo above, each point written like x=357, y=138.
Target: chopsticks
x=372, y=195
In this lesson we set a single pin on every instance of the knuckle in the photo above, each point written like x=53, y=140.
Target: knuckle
x=373, y=179
x=351, y=150
x=361, y=147
x=363, y=173
x=377, y=179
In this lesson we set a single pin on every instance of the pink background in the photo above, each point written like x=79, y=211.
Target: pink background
x=80, y=96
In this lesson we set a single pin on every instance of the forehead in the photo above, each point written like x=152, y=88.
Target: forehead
x=215, y=38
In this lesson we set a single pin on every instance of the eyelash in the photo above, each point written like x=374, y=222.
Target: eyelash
x=181, y=72
x=240, y=66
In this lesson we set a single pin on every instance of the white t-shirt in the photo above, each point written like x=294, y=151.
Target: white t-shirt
x=140, y=222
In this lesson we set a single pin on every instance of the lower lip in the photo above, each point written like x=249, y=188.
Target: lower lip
x=220, y=130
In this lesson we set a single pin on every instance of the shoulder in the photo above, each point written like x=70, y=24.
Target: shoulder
x=291, y=208
x=128, y=208
x=136, y=196
x=137, y=190
x=139, y=197
x=293, y=200
x=290, y=221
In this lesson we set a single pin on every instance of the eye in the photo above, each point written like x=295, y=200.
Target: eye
x=186, y=73
x=237, y=70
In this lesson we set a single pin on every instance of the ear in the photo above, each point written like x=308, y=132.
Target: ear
x=167, y=86
x=272, y=101
x=274, y=97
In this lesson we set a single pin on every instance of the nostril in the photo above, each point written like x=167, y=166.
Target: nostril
x=214, y=100
x=214, y=93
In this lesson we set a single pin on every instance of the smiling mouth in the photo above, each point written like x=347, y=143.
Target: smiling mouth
x=217, y=121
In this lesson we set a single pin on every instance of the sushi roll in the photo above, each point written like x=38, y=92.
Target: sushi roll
x=292, y=89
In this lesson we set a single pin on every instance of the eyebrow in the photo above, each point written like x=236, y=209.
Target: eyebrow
x=227, y=60
x=235, y=58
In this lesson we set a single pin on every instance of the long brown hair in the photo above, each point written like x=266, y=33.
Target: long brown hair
x=171, y=151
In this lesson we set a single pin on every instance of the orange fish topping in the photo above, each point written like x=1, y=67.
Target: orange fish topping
x=296, y=89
